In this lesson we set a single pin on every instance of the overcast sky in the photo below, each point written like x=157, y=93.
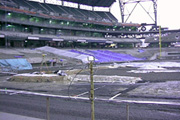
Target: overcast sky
x=168, y=13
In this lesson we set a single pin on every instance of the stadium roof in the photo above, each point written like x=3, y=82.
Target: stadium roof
x=100, y=3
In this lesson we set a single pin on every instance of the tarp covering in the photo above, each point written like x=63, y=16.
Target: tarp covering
x=14, y=64
x=65, y=53
x=102, y=56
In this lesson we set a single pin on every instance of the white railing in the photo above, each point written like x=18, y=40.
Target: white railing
x=127, y=102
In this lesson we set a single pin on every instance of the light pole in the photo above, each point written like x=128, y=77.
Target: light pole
x=91, y=60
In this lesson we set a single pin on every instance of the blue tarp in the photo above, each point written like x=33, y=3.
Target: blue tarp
x=102, y=56
x=15, y=64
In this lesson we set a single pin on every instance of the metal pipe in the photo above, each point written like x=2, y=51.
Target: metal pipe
x=97, y=99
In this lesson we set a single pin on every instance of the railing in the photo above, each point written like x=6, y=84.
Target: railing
x=127, y=102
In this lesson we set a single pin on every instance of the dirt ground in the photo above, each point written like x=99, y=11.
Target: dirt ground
x=152, y=84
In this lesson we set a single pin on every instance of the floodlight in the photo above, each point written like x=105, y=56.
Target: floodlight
x=91, y=58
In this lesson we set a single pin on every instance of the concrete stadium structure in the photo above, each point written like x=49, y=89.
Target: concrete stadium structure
x=34, y=24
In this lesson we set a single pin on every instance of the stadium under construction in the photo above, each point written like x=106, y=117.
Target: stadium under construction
x=52, y=51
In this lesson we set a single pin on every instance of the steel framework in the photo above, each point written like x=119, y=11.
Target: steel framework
x=125, y=16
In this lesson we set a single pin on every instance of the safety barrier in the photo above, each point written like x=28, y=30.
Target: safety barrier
x=127, y=102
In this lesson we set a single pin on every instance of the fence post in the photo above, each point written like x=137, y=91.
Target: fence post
x=92, y=91
x=47, y=108
x=127, y=111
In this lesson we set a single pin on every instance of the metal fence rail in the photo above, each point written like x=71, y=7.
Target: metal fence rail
x=48, y=96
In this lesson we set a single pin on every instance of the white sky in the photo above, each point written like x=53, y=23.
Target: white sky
x=168, y=13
